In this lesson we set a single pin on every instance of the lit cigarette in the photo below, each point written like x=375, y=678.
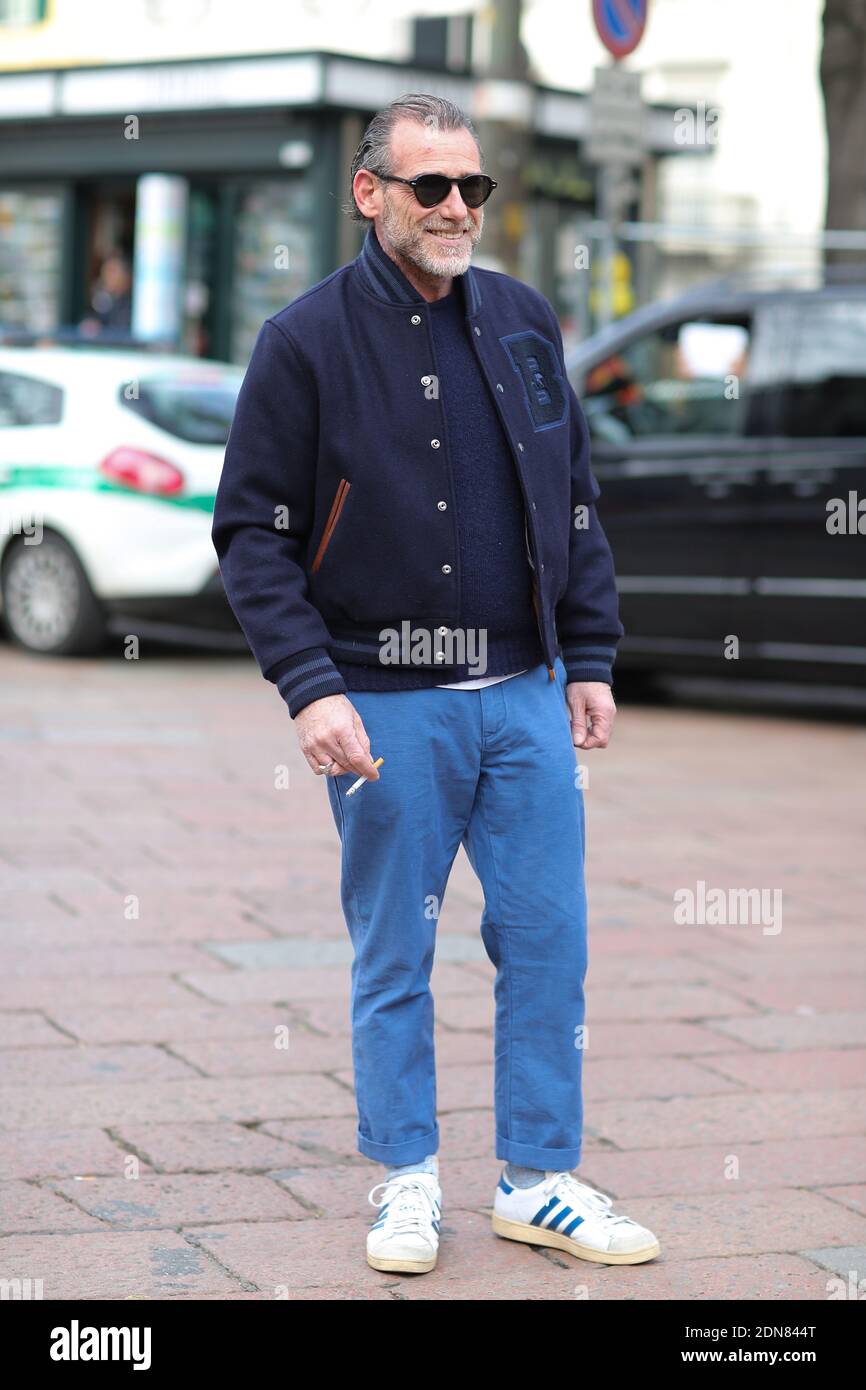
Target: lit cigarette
x=361, y=780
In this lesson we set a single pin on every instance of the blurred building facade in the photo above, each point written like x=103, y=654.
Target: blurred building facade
x=210, y=143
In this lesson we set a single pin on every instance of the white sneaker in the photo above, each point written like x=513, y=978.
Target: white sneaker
x=569, y=1215
x=405, y=1237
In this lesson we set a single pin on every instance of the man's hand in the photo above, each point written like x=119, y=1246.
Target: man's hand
x=592, y=713
x=332, y=728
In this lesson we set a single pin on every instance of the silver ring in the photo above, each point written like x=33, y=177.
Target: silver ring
x=325, y=767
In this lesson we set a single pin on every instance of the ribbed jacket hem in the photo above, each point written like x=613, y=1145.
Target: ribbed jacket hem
x=589, y=661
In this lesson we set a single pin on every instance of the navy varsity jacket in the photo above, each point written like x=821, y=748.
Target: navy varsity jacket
x=335, y=517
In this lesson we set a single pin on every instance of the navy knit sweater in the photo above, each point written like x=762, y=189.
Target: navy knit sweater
x=496, y=592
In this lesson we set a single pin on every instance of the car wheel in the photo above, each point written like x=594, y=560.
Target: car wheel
x=48, y=604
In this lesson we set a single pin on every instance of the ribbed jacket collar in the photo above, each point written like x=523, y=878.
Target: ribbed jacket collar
x=384, y=278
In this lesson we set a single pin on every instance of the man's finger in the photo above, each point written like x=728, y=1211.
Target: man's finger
x=578, y=720
x=318, y=757
x=357, y=757
x=602, y=726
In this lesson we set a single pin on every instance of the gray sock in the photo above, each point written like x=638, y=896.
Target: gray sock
x=424, y=1165
x=522, y=1177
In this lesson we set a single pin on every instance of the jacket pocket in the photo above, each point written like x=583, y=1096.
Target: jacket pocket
x=331, y=523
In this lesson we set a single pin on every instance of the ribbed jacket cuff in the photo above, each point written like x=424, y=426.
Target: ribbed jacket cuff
x=307, y=676
x=588, y=661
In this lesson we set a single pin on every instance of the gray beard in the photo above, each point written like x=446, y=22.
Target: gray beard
x=412, y=245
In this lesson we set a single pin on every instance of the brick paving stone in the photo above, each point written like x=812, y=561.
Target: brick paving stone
x=692, y=1225
x=792, y=1031
x=196, y=1019
x=109, y=960
x=708, y=1168
x=30, y=1030
x=773, y=965
x=802, y=994
x=29, y=1066
x=58, y=1152
x=830, y=1068
x=182, y=1199
x=27, y=1208
x=846, y=1262
x=852, y=1195
x=306, y=1052
x=124, y=992
x=664, y=1038
x=204, y=1147
x=248, y=1100
x=744, y=1118
x=290, y=1255
x=319, y=1142
x=113, y=1265
x=734, y=1279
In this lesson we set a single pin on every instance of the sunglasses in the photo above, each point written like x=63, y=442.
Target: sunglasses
x=431, y=189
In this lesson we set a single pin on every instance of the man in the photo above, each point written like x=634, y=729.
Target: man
x=442, y=593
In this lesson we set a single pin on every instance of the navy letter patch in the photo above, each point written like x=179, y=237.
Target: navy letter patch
x=534, y=359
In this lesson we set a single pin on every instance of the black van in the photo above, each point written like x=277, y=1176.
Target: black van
x=729, y=439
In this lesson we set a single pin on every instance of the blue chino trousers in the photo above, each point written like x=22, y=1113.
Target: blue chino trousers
x=494, y=769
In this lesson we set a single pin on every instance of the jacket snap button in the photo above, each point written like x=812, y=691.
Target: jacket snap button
x=442, y=631
x=425, y=380
x=520, y=447
x=416, y=318
x=442, y=506
x=446, y=569
x=534, y=508
x=434, y=443
x=499, y=386
x=478, y=332
x=440, y=656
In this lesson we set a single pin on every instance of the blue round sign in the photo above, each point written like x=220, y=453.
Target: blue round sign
x=620, y=24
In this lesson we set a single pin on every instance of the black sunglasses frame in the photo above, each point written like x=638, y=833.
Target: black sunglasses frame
x=412, y=183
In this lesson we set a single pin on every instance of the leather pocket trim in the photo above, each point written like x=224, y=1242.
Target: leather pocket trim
x=331, y=523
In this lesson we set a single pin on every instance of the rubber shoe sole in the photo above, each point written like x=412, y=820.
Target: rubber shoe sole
x=401, y=1266
x=537, y=1235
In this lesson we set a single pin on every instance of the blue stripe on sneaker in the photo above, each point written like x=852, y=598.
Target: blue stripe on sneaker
x=570, y=1227
x=560, y=1216
x=504, y=1185
x=544, y=1211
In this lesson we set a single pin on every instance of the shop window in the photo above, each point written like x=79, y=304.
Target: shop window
x=274, y=260
x=30, y=245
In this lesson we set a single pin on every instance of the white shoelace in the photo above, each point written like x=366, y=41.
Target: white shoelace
x=403, y=1214
x=590, y=1197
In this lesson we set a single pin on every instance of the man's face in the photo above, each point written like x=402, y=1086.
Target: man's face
x=438, y=240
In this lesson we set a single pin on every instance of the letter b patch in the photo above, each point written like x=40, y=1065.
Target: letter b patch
x=535, y=362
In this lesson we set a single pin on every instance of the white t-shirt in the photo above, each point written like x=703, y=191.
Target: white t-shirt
x=479, y=681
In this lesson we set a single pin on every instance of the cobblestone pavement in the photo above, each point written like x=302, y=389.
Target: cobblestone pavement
x=167, y=905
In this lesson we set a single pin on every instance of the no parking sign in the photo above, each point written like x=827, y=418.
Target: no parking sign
x=620, y=24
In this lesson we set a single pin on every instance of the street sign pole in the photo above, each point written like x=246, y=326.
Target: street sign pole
x=616, y=128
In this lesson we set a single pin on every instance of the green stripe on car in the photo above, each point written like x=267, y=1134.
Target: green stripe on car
x=89, y=480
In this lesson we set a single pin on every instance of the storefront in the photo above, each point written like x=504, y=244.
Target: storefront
x=254, y=154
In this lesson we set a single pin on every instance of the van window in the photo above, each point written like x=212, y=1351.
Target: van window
x=823, y=393
x=688, y=378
